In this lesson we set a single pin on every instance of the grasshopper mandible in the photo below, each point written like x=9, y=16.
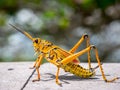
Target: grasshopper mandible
x=67, y=60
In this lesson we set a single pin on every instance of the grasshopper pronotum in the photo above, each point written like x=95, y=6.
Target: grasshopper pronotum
x=67, y=60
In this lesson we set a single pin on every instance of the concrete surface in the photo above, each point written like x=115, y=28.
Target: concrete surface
x=13, y=75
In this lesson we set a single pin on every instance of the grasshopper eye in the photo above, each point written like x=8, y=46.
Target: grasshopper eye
x=36, y=40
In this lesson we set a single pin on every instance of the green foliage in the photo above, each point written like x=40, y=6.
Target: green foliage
x=7, y=3
x=49, y=14
x=63, y=23
x=87, y=4
x=67, y=2
x=3, y=18
x=105, y=3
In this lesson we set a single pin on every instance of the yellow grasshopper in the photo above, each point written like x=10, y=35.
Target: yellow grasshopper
x=67, y=60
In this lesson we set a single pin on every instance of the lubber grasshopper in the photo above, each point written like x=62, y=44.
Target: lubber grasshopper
x=67, y=60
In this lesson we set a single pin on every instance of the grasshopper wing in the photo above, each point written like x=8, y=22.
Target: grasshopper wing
x=65, y=53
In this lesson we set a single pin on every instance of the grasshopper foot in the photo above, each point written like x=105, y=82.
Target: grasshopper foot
x=32, y=67
x=112, y=80
x=36, y=80
x=58, y=83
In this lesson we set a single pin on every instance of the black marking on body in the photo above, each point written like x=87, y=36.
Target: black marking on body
x=52, y=55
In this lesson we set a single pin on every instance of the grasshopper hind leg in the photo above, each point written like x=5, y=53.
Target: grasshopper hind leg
x=73, y=56
x=75, y=47
x=100, y=66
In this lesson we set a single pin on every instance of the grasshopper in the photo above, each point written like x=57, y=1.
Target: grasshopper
x=67, y=60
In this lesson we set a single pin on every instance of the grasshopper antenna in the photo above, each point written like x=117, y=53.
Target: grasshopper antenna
x=23, y=32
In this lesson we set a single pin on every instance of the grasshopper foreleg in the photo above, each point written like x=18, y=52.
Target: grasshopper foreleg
x=37, y=65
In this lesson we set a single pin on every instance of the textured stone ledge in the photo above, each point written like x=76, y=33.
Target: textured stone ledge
x=13, y=75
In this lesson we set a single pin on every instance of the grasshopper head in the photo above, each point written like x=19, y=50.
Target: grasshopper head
x=36, y=44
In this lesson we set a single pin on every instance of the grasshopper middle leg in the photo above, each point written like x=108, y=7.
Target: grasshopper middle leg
x=34, y=64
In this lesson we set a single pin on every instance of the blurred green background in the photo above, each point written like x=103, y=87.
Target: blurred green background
x=62, y=22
